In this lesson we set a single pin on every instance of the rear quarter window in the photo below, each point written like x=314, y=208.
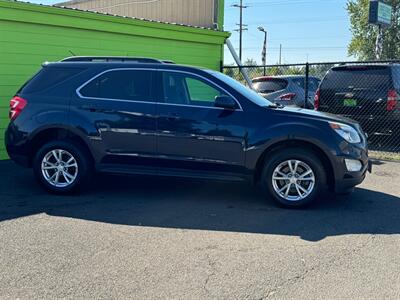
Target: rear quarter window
x=357, y=77
x=48, y=77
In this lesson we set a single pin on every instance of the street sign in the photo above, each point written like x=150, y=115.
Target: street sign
x=380, y=13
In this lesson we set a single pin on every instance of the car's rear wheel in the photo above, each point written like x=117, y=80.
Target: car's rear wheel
x=294, y=177
x=61, y=167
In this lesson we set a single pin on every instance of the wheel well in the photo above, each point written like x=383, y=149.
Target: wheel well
x=298, y=144
x=52, y=134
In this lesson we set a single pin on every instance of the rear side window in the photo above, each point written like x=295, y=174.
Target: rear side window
x=357, y=78
x=48, y=77
x=134, y=85
x=396, y=77
x=270, y=85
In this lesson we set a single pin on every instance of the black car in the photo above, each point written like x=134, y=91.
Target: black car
x=150, y=117
x=368, y=94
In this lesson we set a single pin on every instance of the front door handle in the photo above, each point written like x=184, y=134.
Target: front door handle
x=172, y=117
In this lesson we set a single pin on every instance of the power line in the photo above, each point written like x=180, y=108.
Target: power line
x=301, y=48
x=303, y=21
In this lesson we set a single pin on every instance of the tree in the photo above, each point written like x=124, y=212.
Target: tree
x=250, y=62
x=364, y=37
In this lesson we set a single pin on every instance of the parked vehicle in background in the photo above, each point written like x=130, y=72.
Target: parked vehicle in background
x=149, y=117
x=369, y=94
x=287, y=90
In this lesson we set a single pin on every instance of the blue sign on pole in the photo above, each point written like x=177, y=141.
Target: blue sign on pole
x=380, y=13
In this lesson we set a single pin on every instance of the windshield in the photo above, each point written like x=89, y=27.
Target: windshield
x=240, y=88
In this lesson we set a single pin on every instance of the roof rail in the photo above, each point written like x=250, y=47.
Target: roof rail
x=170, y=62
x=113, y=59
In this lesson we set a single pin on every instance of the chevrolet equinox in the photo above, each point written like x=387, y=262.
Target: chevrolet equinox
x=145, y=116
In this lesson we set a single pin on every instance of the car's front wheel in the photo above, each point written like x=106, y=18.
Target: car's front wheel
x=61, y=167
x=294, y=177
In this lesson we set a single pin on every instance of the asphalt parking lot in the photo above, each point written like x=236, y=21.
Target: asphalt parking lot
x=155, y=238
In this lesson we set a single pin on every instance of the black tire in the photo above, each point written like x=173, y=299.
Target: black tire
x=306, y=156
x=83, y=161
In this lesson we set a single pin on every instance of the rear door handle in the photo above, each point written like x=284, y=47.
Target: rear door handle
x=91, y=108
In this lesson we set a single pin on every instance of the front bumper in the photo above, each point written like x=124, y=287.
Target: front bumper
x=346, y=180
x=346, y=184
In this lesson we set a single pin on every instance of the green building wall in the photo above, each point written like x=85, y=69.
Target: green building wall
x=32, y=34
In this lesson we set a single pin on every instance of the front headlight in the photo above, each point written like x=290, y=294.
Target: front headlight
x=347, y=132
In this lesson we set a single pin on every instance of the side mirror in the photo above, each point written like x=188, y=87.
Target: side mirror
x=225, y=102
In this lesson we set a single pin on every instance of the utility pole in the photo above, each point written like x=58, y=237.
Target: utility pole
x=280, y=54
x=242, y=27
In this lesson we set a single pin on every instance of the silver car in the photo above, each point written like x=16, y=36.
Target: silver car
x=287, y=90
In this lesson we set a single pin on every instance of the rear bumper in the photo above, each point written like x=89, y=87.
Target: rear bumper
x=19, y=159
x=17, y=146
x=378, y=123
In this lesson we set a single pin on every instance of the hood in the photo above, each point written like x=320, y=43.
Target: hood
x=308, y=113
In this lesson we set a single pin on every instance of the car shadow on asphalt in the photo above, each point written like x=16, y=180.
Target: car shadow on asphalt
x=190, y=205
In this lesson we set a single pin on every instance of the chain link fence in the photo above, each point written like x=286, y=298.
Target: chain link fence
x=368, y=92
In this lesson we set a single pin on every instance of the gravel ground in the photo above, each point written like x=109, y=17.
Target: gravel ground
x=153, y=238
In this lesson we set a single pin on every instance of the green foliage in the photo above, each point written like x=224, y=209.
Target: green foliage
x=364, y=37
x=250, y=62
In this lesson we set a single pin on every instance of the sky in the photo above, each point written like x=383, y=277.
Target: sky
x=309, y=30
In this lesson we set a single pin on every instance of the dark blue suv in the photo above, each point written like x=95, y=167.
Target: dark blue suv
x=143, y=116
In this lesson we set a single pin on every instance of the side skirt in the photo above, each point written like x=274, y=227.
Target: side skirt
x=170, y=172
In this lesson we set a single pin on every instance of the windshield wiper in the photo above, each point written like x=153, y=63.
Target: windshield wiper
x=275, y=105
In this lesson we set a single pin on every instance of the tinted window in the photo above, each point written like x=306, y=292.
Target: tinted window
x=132, y=85
x=299, y=82
x=185, y=89
x=48, y=77
x=396, y=77
x=357, y=77
x=270, y=85
x=313, y=83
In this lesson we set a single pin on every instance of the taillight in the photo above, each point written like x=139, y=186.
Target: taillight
x=287, y=97
x=316, y=99
x=17, y=104
x=392, y=100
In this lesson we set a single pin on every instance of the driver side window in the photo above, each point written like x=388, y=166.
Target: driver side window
x=188, y=90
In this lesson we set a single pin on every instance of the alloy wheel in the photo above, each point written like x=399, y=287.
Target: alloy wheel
x=59, y=168
x=293, y=180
